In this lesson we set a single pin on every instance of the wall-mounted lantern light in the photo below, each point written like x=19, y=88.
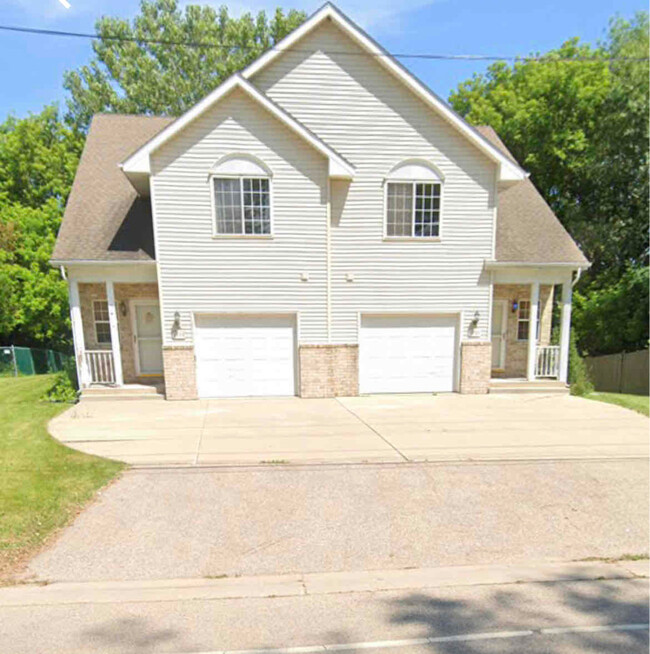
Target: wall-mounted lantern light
x=515, y=306
x=123, y=309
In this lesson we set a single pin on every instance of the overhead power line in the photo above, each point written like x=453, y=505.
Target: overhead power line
x=231, y=46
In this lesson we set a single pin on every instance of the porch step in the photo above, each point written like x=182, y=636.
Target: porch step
x=126, y=392
x=522, y=386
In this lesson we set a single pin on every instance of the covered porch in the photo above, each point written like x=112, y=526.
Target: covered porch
x=116, y=326
x=531, y=322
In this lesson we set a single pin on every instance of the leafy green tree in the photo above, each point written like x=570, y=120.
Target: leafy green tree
x=38, y=158
x=34, y=307
x=162, y=78
x=579, y=123
x=614, y=318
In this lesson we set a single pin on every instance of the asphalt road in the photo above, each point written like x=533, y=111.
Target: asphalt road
x=470, y=619
x=274, y=520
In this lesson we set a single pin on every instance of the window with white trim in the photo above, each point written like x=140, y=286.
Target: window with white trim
x=413, y=200
x=102, y=321
x=523, y=320
x=413, y=209
x=242, y=205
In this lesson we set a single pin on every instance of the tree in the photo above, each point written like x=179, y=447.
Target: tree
x=614, y=318
x=133, y=76
x=38, y=159
x=579, y=123
x=34, y=307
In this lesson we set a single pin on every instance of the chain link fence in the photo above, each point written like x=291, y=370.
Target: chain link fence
x=15, y=361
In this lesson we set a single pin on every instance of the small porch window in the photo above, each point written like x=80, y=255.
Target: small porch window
x=523, y=320
x=102, y=323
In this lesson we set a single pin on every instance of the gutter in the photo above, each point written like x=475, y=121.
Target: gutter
x=496, y=265
x=96, y=262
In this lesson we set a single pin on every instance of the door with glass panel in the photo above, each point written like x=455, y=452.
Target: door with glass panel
x=498, y=335
x=148, y=337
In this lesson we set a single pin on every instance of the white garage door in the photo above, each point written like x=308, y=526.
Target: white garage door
x=407, y=354
x=239, y=356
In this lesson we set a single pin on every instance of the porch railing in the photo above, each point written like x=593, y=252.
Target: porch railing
x=101, y=368
x=548, y=361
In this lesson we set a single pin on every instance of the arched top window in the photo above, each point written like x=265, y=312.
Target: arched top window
x=240, y=164
x=241, y=196
x=413, y=200
x=416, y=169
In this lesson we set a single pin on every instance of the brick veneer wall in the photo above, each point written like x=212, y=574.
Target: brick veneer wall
x=123, y=293
x=180, y=373
x=329, y=370
x=475, y=365
x=517, y=351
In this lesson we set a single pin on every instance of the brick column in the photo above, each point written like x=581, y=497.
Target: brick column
x=180, y=373
x=475, y=367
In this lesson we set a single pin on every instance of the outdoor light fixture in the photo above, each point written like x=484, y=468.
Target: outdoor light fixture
x=515, y=306
x=123, y=308
x=176, y=325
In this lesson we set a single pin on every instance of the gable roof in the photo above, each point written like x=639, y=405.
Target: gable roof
x=105, y=219
x=528, y=232
x=509, y=169
x=138, y=162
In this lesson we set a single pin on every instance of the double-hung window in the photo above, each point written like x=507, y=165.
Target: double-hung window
x=414, y=200
x=523, y=320
x=102, y=322
x=242, y=206
x=413, y=209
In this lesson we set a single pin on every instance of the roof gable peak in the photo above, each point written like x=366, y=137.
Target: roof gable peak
x=509, y=171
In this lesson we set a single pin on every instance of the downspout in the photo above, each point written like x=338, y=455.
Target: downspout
x=328, y=263
x=577, y=279
x=62, y=269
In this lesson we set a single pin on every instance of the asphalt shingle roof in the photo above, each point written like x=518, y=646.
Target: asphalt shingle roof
x=105, y=219
x=527, y=229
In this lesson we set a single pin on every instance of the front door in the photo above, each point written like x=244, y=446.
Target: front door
x=148, y=337
x=498, y=336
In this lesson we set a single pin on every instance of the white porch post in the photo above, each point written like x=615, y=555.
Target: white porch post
x=565, y=330
x=532, y=331
x=78, y=334
x=115, y=334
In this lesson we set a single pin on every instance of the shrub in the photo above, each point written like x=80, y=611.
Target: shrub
x=65, y=387
x=578, y=374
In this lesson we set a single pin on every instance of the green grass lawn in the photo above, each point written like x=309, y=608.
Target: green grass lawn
x=43, y=484
x=639, y=403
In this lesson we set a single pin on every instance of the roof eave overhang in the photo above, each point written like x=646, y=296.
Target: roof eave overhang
x=139, y=163
x=572, y=265
x=508, y=170
x=101, y=262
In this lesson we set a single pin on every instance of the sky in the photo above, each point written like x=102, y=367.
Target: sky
x=32, y=66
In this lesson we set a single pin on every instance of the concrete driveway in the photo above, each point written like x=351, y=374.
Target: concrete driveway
x=383, y=428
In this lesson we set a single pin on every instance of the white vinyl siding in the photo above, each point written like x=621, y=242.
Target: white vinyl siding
x=202, y=274
x=372, y=120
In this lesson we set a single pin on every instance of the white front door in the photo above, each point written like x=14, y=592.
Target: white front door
x=238, y=356
x=148, y=337
x=498, y=335
x=407, y=354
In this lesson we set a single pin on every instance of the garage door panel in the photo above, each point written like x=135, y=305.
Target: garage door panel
x=407, y=354
x=245, y=355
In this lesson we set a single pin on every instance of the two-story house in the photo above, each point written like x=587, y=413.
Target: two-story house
x=320, y=224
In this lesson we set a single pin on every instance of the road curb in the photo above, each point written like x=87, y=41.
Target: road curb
x=319, y=583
